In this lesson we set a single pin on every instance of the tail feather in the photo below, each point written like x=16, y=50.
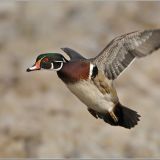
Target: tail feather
x=127, y=118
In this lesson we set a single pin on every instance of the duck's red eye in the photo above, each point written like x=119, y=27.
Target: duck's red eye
x=45, y=59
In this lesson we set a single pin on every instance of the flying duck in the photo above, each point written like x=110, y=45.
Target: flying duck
x=91, y=80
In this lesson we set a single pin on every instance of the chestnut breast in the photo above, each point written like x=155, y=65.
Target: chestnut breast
x=74, y=71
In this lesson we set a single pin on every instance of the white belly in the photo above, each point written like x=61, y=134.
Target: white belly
x=89, y=94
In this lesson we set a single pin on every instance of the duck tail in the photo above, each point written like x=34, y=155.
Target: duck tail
x=124, y=116
x=127, y=117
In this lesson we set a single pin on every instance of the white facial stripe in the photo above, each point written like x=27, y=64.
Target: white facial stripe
x=64, y=60
x=58, y=61
x=91, y=70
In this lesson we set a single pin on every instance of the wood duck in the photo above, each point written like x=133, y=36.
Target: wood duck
x=91, y=80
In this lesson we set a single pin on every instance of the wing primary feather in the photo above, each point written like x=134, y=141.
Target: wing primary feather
x=122, y=50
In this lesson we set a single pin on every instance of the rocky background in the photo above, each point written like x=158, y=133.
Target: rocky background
x=39, y=117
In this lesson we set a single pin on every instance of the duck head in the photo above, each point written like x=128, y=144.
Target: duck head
x=50, y=61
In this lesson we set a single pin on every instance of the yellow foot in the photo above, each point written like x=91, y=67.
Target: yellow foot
x=113, y=116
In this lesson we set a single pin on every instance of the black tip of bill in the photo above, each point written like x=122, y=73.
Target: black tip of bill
x=28, y=70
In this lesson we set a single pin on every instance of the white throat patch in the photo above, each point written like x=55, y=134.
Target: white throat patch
x=57, y=69
x=52, y=66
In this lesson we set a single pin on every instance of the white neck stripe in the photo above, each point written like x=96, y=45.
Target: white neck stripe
x=90, y=70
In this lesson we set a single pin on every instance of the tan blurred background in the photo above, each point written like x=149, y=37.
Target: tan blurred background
x=39, y=117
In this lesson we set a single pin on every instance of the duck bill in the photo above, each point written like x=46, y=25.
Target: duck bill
x=35, y=67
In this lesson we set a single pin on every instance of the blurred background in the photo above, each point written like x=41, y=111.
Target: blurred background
x=39, y=116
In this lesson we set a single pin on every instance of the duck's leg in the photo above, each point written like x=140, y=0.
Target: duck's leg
x=113, y=116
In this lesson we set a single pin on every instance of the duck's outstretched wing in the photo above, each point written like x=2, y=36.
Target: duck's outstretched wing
x=121, y=51
x=73, y=55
